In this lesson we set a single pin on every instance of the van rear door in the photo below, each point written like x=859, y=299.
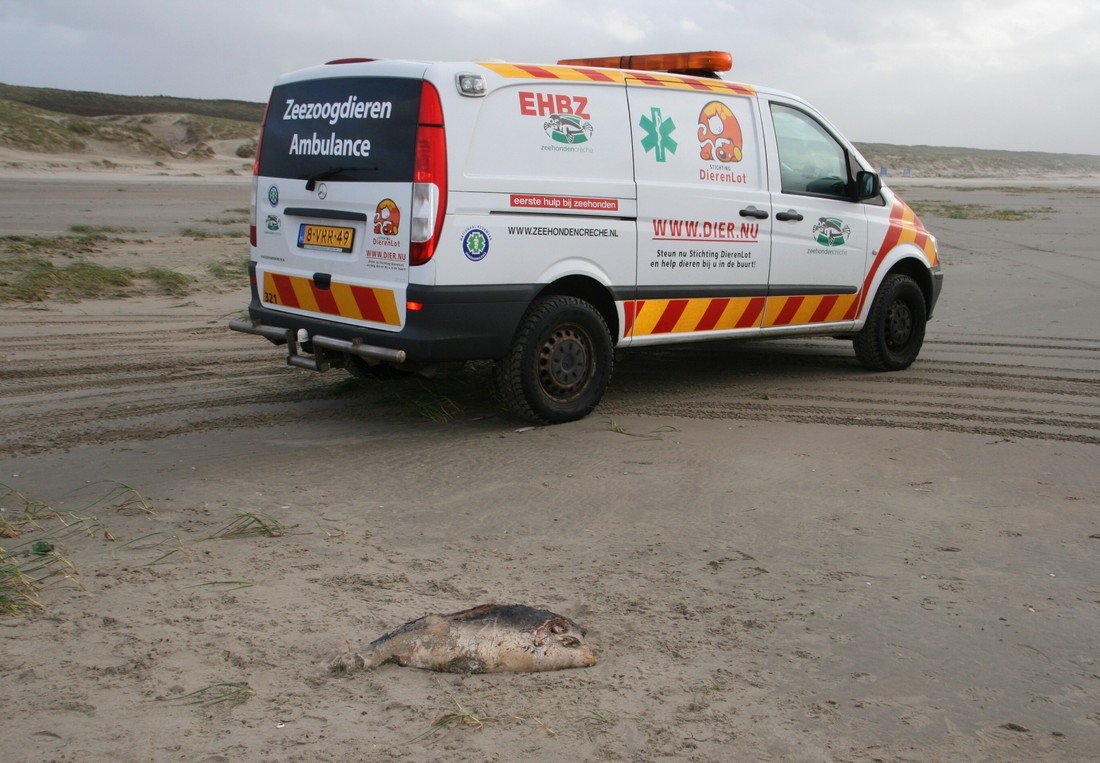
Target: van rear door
x=334, y=196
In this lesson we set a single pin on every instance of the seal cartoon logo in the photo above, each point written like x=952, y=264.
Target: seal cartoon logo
x=568, y=128
x=719, y=134
x=831, y=231
x=387, y=218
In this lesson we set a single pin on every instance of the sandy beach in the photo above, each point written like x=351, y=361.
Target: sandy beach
x=778, y=555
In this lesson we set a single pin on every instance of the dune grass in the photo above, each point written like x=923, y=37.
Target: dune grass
x=28, y=271
x=33, y=556
x=84, y=241
x=251, y=524
x=92, y=230
x=28, y=128
x=121, y=497
x=202, y=233
x=31, y=278
x=230, y=269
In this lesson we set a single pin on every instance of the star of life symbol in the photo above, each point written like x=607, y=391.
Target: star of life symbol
x=658, y=134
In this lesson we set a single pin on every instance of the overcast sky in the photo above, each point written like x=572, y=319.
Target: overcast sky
x=1011, y=74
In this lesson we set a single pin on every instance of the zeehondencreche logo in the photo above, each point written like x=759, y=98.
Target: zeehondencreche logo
x=831, y=231
x=568, y=128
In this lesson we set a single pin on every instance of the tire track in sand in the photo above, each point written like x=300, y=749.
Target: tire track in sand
x=985, y=390
x=145, y=377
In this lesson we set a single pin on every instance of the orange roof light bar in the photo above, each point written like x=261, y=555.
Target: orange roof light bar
x=698, y=61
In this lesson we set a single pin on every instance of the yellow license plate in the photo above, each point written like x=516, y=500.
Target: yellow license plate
x=326, y=237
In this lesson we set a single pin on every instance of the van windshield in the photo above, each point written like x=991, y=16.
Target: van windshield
x=359, y=129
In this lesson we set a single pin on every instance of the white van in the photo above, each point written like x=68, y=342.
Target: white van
x=411, y=213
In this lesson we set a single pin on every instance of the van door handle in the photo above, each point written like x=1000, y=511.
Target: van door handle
x=751, y=211
x=790, y=214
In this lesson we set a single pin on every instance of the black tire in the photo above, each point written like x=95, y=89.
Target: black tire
x=560, y=362
x=892, y=337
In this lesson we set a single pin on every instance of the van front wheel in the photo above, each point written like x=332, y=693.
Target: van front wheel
x=560, y=362
x=892, y=337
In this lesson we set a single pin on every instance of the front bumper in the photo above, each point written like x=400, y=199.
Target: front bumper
x=937, y=286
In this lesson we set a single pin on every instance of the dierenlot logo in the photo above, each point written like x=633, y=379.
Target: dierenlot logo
x=719, y=134
x=658, y=135
x=831, y=231
x=387, y=218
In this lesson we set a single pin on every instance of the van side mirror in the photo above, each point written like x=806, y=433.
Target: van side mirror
x=868, y=185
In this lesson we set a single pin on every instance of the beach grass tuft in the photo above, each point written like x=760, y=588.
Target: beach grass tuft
x=251, y=524
x=38, y=560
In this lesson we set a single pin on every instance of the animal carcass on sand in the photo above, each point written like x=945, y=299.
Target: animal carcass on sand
x=491, y=638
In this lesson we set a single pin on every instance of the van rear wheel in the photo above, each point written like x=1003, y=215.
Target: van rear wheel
x=560, y=362
x=892, y=337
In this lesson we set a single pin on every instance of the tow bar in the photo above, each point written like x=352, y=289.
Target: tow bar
x=321, y=361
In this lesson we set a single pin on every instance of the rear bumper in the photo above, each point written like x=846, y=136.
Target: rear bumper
x=455, y=323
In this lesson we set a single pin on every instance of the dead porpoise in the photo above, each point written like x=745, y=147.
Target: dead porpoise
x=491, y=638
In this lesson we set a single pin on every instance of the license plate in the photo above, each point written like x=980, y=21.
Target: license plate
x=329, y=238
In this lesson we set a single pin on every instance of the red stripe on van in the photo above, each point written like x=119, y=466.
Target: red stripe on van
x=786, y=315
x=593, y=74
x=645, y=78
x=694, y=83
x=751, y=316
x=537, y=71
x=671, y=314
x=630, y=312
x=713, y=313
x=852, y=311
x=368, y=304
x=822, y=311
x=326, y=303
x=285, y=290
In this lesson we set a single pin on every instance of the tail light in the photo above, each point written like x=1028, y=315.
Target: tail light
x=256, y=181
x=429, y=196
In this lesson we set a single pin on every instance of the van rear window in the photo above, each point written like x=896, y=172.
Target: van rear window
x=357, y=129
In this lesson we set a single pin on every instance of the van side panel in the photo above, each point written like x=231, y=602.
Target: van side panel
x=541, y=180
x=704, y=213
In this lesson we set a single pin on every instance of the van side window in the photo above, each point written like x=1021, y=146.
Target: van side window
x=811, y=161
